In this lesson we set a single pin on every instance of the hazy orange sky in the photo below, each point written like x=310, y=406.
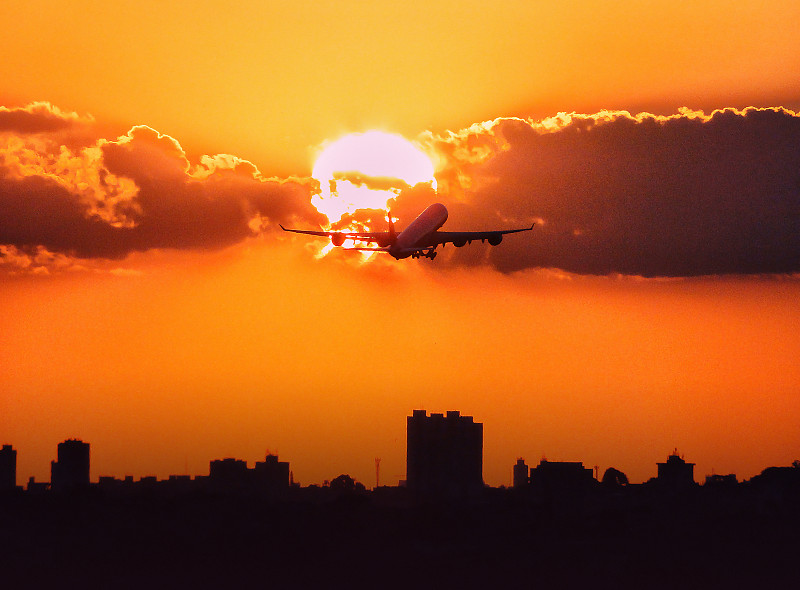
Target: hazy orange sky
x=150, y=307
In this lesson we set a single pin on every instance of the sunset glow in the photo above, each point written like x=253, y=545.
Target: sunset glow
x=365, y=170
x=152, y=305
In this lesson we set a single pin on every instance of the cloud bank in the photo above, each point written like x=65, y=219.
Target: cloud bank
x=647, y=195
x=612, y=193
x=110, y=198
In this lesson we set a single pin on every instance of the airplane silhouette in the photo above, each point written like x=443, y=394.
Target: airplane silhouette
x=418, y=240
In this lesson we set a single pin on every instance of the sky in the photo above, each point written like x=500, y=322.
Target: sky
x=152, y=307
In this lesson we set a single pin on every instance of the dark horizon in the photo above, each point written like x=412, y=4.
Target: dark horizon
x=556, y=527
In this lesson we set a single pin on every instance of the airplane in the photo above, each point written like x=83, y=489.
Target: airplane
x=418, y=240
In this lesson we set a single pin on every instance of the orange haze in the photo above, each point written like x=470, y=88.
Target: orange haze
x=259, y=349
x=151, y=306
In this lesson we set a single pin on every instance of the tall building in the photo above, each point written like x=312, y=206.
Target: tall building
x=444, y=454
x=521, y=474
x=8, y=468
x=71, y=471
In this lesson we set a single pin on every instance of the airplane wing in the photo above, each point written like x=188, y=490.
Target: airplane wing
x=459, y=238
x=341, y=236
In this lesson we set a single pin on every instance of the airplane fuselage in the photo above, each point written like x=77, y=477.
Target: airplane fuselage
x=426, y=223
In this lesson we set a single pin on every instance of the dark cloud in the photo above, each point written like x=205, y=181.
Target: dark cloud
x=36, y=211
x=38, y=117
x=654, y=196
x=136, y=193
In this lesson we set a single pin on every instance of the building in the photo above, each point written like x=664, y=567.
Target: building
x=521, y=475
x=272, y=475
x=71, y=471
x=8, y=468
x=675, y=474
x=228, y=475
x=444, y=454
x=232, y=475
x=561, y=479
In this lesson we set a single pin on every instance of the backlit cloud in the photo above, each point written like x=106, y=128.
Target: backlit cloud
x=38, y=117
x=611, y=193
x=690, y=194
x=134, y=193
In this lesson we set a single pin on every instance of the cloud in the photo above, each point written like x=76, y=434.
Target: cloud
x=134, y=193
x=375, y=183
x=684, y=195
x=611, y=193
x=38, y=117
x=35, y=261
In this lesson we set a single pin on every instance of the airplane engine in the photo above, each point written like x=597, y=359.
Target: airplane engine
x=337, y=239
x=459, y=243
x=384, y=243
x=495, y=240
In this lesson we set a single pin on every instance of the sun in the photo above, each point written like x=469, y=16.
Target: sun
x=365, y=170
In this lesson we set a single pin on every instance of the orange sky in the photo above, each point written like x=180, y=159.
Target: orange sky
x=167, y=324
x=267, y=80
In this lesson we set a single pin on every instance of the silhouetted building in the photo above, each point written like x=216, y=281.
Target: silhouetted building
x=675, y=474
x=232, y=475
x=521, y=477
x=71, y=471
x=228, y=474
x=560, y=479
x=8, y=468
x=36, y=487
x=272, y=475
x=444, y=454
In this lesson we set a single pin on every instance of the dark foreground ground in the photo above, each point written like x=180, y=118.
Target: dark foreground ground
x=363, y=541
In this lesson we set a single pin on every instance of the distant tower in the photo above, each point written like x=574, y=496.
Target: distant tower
x=444, y=454
x=71, y=471
x=520, y=475
x=8, y=468
x=377, y=472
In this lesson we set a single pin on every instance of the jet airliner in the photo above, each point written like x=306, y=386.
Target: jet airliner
x=419, y=240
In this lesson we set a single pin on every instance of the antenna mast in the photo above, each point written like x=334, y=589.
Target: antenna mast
x=377, y=472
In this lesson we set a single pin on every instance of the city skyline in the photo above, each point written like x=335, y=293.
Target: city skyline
x=557, y=524
x=423, y=431
x=151, y=303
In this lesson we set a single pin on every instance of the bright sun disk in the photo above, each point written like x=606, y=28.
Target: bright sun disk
x=365, y=170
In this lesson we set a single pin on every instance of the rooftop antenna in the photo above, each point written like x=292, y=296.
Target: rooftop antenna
x=377, y=472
